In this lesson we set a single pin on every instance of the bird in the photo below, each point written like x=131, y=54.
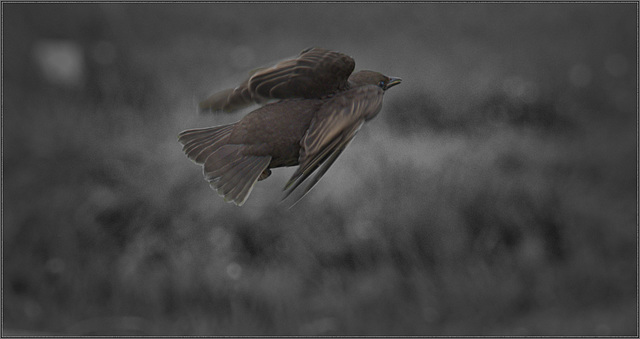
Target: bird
x=311, y=107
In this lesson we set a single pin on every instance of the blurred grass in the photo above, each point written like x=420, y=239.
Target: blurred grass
x=496, y=194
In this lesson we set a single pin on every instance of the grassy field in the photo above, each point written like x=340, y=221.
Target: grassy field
x=495, y=194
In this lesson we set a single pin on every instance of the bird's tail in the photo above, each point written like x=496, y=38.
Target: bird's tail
x=199, y=143
x=230, y=172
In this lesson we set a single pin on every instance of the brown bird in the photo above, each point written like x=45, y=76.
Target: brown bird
x=321, y=105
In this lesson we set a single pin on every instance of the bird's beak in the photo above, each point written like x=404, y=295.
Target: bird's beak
x=392, y=82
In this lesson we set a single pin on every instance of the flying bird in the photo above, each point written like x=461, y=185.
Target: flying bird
x=319, y=106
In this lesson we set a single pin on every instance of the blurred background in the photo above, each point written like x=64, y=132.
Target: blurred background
x=495, y=194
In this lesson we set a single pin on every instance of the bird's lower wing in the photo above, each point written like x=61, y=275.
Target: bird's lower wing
x=323, y=161
x=331, y=130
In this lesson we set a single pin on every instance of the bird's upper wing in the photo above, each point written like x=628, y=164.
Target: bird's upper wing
x=331, y=130
x=229, y=99
x=315, y=73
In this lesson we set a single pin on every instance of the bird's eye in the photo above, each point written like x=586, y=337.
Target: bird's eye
x=381, y=84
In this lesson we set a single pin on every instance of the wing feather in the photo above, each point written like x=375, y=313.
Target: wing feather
x=315, y=73
x=331, y=130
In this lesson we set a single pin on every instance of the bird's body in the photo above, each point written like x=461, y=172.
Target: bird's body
x=276, y=130
x=322, y=105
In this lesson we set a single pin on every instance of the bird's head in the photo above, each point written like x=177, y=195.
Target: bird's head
x=362, y=78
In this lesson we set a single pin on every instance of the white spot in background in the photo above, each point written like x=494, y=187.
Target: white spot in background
x=234, y=271
x=580, y=75
x=102, y=197
x=220, y=238
x=617, y=65
x=32, y=309
x=532, y=252
x=55, y=266
x=103, y=52
x=519, y=88
x=242, y=57
x=60, y=61
x=363, y=228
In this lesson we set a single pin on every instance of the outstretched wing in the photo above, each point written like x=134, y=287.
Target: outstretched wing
x=230, y=171
x=331, y=130
x=315, y=73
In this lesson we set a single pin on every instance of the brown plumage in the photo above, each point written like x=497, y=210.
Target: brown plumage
x=321, y=107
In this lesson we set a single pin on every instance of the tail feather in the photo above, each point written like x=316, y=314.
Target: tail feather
x=233, y=174
x=200, y=143
x=229, y=172
x=236, y=173
x=222, y=160
x=238, y=186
